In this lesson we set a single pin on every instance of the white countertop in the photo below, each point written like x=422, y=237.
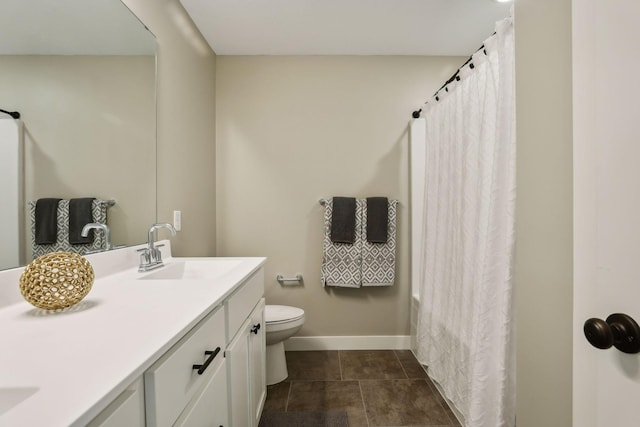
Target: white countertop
x=79, y=360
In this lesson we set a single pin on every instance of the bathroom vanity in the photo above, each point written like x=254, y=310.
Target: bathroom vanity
x=180, y=345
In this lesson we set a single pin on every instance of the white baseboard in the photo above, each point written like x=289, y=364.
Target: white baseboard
x=363, y=342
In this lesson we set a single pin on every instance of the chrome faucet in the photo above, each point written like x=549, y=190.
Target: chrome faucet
x=151, y=257
x=98, y=226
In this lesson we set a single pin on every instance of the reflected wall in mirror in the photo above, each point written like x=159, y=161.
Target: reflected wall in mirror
x=82, y=76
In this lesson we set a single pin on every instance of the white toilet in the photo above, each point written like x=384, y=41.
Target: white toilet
x=281, y=322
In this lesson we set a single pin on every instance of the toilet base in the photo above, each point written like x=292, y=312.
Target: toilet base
x=276, y=363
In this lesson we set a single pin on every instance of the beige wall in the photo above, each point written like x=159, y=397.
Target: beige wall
x=89, y=126
x=186, y=125
x=292, y=130
x=544, y=281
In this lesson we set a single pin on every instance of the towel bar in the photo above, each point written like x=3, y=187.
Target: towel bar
x=281, y=279
x=324, y=201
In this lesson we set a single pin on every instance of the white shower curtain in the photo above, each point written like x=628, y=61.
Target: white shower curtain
x=465, y=321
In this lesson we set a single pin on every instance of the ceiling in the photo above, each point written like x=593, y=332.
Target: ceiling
x=345, y=27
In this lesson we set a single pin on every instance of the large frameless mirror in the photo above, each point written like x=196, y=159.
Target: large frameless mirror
x=82, y=75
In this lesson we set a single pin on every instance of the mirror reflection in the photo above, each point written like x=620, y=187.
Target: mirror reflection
x=82, y=76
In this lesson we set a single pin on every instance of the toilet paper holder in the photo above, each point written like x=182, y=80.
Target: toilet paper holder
x=282, y=280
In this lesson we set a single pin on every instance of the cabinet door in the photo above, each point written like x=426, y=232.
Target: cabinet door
x=209, y=409
x=257, y=360
x=171, y=383
x=237, y=359
x=126, y=410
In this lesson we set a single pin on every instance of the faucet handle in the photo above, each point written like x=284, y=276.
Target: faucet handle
x=145, y=256
x=156, y=255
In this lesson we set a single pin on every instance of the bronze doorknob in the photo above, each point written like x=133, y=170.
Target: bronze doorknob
x=619, y=330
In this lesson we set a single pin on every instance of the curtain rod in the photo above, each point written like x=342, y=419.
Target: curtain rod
x=455, y=76
x=13, y=114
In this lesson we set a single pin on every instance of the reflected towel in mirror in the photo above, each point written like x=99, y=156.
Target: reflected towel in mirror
x=46, y=221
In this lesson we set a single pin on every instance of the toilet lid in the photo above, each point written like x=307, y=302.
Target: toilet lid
x=281, y=313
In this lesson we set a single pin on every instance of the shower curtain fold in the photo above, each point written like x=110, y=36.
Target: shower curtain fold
x=465, y=320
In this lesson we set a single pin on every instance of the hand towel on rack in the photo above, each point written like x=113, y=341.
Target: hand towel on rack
x=46, y=221
x=379, y=259
x=342, y=262
x=99, y=208
x=343, y=220
x=80, y=214
x=377, y=215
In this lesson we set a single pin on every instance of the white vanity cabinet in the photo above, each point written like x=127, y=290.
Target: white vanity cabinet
x=245, y=355
x=208, y=408
x=228, y=388
x=178, y=384
x=257, y=362
x=125, y=410
x=237, y=356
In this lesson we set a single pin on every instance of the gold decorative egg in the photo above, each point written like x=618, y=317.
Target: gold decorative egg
x=56, y=280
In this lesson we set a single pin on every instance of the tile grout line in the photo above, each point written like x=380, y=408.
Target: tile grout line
x=286, y=403
x=401, y=365
x=364, y=405
x=442, y=401
x=435, y=391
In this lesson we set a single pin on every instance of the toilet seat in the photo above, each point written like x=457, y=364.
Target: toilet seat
x=276, y=314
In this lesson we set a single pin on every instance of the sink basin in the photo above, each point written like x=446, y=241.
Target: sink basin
x=205, y=269
x=11, y=396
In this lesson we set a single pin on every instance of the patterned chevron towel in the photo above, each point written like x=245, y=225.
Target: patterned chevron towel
x=379, y=259
x=341, y=262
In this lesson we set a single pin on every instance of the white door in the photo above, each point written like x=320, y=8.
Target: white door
x=606, y=103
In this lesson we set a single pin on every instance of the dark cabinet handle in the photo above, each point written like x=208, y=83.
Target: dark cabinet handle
x=619, y=330
x=212, y=355
x=255, y=328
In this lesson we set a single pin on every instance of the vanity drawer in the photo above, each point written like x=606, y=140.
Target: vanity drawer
x=239, y=305
x=126, y=410
x=171, y=382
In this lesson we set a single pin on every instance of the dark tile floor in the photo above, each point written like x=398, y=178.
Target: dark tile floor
x=373, y=387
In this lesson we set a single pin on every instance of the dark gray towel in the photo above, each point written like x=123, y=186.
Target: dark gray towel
x=343, y=220
x=80, y=214
x=46, y=221
x=377, y=219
